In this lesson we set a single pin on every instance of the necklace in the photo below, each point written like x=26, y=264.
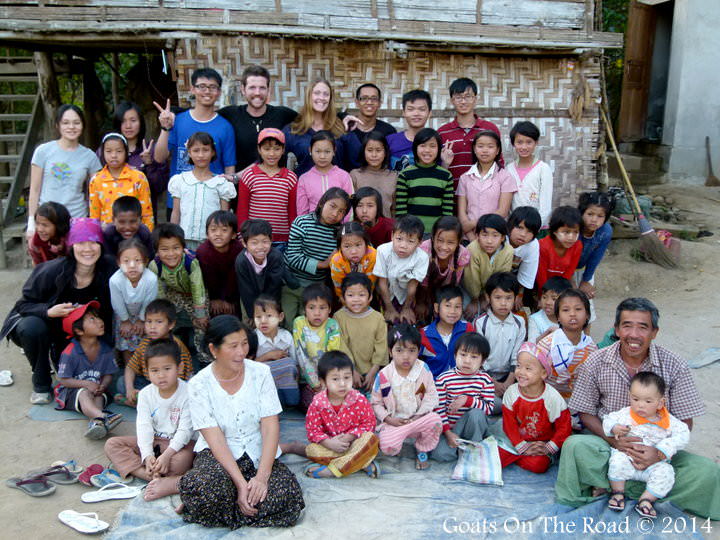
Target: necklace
x=228, y=380
x=257, y=124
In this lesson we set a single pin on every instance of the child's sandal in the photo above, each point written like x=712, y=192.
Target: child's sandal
x=373, y=470
x=314, y=470
x=645, y=508
x=421, y=463
x=96, y=429
x=616, y=502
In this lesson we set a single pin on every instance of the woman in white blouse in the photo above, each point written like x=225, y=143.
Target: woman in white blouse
x=236, y=479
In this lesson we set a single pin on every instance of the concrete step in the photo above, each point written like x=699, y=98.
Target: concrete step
x=639, y=178
x=634, y=163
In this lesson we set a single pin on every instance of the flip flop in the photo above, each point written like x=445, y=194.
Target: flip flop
x=71, y=466
x=84, y=523
x=108, y=476
x=312, y=471
x=36, y=486
x=422, y=457
x=88, y=473
x=373, y=470
x=110, y=492
x=57, y=475
x=6, y=378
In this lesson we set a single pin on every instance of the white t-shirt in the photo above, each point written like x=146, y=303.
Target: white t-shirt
x=237, y=415
x=198, y=200
x=64, y=175
x=527, y=257
x=166, y=418
x=399, y=271
x=538, y=323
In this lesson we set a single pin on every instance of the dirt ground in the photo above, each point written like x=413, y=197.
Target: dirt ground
x=689, y=322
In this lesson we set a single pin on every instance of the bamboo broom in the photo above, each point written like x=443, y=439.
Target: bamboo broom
x=650, y=244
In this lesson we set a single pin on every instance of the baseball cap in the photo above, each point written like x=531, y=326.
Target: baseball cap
x=77, y=314
x=271, y=133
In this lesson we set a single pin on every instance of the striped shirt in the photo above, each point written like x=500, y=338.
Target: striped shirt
x=310, y=243
x=425, y=192
x=138, y=362
x=462, y=143
x=271, y=198
x=478, y=390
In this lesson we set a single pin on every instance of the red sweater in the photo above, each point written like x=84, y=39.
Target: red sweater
x=381, y=233
x=271, y=198
x=544, y=418
x=355, y=416
x=551, y=264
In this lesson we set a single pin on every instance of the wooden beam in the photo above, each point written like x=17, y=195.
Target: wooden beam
x=48, y=85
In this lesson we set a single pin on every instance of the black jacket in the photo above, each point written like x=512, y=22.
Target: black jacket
x=45, y=285
x=252, y=285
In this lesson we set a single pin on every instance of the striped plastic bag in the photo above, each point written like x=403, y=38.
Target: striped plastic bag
x=479, y=462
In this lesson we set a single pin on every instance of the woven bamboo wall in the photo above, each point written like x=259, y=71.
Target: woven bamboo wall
x=511, y=88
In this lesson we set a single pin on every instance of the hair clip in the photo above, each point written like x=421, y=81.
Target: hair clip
x=397, y=335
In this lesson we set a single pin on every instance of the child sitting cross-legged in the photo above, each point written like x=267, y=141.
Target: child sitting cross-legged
x=504, y=330
x=340, y=424
x=400, y=267
x=439, y=337
x=180, y=280
x=404, y=396
x=163, y=445
x=544, y=321
x=276, y=348
x=86, y=368
x=363, y=330
x=160, y=317
x=489, y=253
x=314, y=334
x=648, y=419
x=535, y=416
x=466, y=396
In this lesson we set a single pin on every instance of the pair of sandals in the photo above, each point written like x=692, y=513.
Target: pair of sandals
x=41, y=483
x=644, y=506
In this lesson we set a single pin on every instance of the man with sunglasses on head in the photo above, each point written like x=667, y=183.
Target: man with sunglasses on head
x=176, y=130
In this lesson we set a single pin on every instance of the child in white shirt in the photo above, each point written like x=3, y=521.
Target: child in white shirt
x=544, y=320
x=400, y=267
x=163, y=446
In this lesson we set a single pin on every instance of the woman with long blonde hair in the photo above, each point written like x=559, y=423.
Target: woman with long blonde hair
x=319, y=113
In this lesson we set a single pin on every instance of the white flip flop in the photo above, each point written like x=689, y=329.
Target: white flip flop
x=84, y=523
x=6, y=378
x=110, y=492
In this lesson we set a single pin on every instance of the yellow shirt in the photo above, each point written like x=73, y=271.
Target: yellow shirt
x=482, y=266
x=105, y=189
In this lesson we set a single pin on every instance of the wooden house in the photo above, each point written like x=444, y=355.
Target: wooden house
x=532, y=59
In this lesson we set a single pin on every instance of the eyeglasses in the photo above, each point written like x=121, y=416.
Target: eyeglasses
x=463, y=98
x=369, y=99
x=206, y=87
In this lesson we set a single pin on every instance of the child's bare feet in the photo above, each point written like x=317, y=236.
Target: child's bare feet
x=162, y=487
x=180, y=508
x=294, y=447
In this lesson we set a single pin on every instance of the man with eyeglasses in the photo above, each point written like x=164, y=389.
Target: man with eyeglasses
x=176, y=130
x=249, y=120
x=368, y=99
x=457, y=136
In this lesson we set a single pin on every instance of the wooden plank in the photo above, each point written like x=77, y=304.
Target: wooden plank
x=344, y=8
x=248, y=5
x=353, y=22
x=549, y=14
x=459, y=11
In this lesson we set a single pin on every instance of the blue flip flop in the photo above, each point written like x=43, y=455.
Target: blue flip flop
x=313, y=470
x=373, y=470
x=422, y=457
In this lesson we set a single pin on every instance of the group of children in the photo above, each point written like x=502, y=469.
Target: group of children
x=427, y=309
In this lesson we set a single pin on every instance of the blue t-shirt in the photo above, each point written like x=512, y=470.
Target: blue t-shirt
x=594, y=250
x=219, y=129
x=401, y=154
x=74, y=364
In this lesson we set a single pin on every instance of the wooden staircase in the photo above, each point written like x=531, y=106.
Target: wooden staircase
x=21, y=122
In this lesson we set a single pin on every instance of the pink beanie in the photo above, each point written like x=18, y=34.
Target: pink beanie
x=541, y=356
x=84, y=230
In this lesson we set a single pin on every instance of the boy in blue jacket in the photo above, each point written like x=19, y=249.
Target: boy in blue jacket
x=439, y=337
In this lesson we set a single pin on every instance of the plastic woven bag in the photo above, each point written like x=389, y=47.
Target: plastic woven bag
x=479, y=462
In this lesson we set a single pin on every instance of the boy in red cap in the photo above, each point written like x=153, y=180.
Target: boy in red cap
x=86, y=368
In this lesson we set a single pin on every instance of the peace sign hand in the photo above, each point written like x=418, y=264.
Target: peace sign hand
x=166, y=117
x=446, y=154
x=146, y=155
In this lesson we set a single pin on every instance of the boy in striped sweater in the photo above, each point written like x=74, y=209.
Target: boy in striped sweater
x=466, y=396
x=425, y=189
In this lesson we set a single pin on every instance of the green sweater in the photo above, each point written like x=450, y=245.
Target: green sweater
x=426, y=192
